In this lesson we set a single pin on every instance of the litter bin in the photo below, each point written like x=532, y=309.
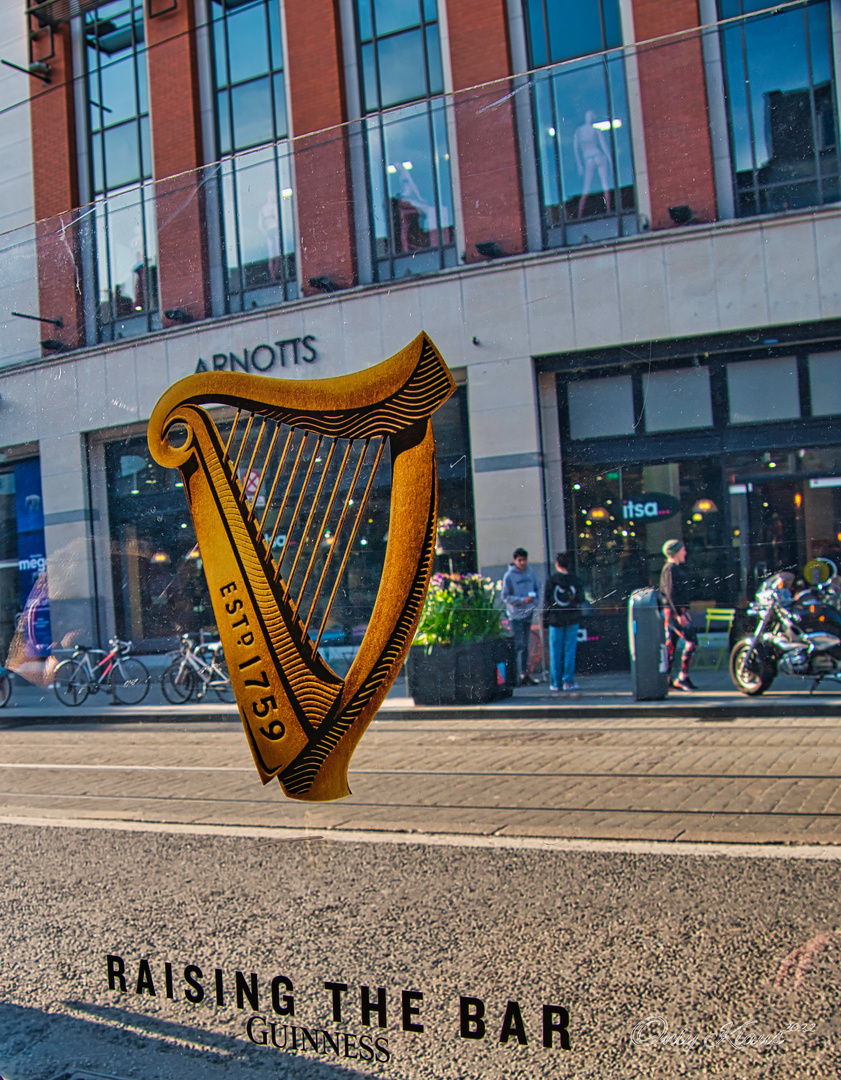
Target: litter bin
x=647, y=642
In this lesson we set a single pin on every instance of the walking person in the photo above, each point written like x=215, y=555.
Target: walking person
x=520, y=590
x=562, y=599
x=675, y=591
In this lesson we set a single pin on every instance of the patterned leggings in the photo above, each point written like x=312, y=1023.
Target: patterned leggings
x=675, y=633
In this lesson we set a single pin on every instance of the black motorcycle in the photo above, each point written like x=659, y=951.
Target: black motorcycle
x=794, y=636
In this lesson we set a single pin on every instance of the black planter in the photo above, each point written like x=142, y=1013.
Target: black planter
x=462, y=674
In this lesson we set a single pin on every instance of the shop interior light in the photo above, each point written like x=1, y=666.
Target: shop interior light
x=599, y=513
x=606, y=125
x=160, y=557
x=705, y=506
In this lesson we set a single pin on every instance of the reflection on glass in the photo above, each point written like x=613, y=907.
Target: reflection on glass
x=781, y=106
x=120, y=152
x=410, y=187
x=581, y=115
x=256, y=187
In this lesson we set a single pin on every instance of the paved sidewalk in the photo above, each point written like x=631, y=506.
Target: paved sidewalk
x=602, y=696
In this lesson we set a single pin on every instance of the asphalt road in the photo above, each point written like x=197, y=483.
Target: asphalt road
x=453, y=872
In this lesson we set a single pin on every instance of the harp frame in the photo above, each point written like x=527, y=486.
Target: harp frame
x=302, y=721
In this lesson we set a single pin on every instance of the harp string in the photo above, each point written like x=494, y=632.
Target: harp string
x=311, y=471
x=336, y=534
x=310, y=516
x=351, y=538
x=231, y=432
x=287, y=493
x=320, y=538
x=248, y=471
x=242, y=444
x=278, y=472
x=263, y=471
x=299, y=503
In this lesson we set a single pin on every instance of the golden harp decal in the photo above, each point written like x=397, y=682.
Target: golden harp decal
x=277, y=502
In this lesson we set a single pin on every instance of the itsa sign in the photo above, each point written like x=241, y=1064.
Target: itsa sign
x=653, y=506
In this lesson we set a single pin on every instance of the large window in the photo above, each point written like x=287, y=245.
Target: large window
x=581, y=120
x=121, y=164
x=781, y=106
x=410, y=188
x=256, y=177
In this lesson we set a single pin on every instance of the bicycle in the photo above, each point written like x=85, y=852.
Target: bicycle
x=5, y=687
x=196, y=670
x=117, y=673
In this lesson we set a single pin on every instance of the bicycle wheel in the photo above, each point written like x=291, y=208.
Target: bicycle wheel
x=5, y=689
x=70, y=682
x=129, y=681
x=178, y=683
x=221, y=682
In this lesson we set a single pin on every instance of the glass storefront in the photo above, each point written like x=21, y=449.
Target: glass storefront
x=622, y=516
x=24, y=602
x=785, y=510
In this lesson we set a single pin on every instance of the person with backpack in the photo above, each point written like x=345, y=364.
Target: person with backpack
x=562, y=600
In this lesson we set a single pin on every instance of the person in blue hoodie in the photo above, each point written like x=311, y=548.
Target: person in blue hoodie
x=520, y=590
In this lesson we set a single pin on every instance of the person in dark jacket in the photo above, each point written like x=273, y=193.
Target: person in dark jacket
x=562, y=598
x=675, y=591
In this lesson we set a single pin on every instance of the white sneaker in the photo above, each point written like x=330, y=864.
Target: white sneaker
x=571, y=686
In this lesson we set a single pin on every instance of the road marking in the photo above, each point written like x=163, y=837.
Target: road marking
x=522, y=843
x=497, y=774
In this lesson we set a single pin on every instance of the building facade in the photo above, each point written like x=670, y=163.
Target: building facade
x=619, y=222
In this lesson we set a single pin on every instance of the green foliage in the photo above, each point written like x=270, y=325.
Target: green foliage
x=459, y=608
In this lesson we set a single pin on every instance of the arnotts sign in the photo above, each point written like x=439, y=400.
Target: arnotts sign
x=263, y=358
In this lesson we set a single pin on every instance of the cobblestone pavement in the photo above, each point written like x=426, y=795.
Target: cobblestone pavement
x=761, y=779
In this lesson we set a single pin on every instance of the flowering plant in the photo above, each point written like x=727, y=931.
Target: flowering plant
x=459, y=608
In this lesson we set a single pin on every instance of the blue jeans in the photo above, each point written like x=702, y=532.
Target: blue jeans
x=563, y=641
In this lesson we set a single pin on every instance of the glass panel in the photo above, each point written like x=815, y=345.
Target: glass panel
x=116, y=93
x=574, y=29
x=433, y=56
x=599, y=407
x=825, y=383
x=782, y=108
x=402, y=68
x=623, y=515
x=392, y=15
x=763, y=390
x=248, y=47
x=676, y=400
x=369, y=78
x=122, y=157
x=251, y=107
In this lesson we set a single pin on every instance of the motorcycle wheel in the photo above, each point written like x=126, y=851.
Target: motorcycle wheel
x=751, y=674
x=5, y=689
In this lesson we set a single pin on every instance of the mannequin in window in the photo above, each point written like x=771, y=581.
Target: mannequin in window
x=268, y=222
x=414, y=211
x=592, y=155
